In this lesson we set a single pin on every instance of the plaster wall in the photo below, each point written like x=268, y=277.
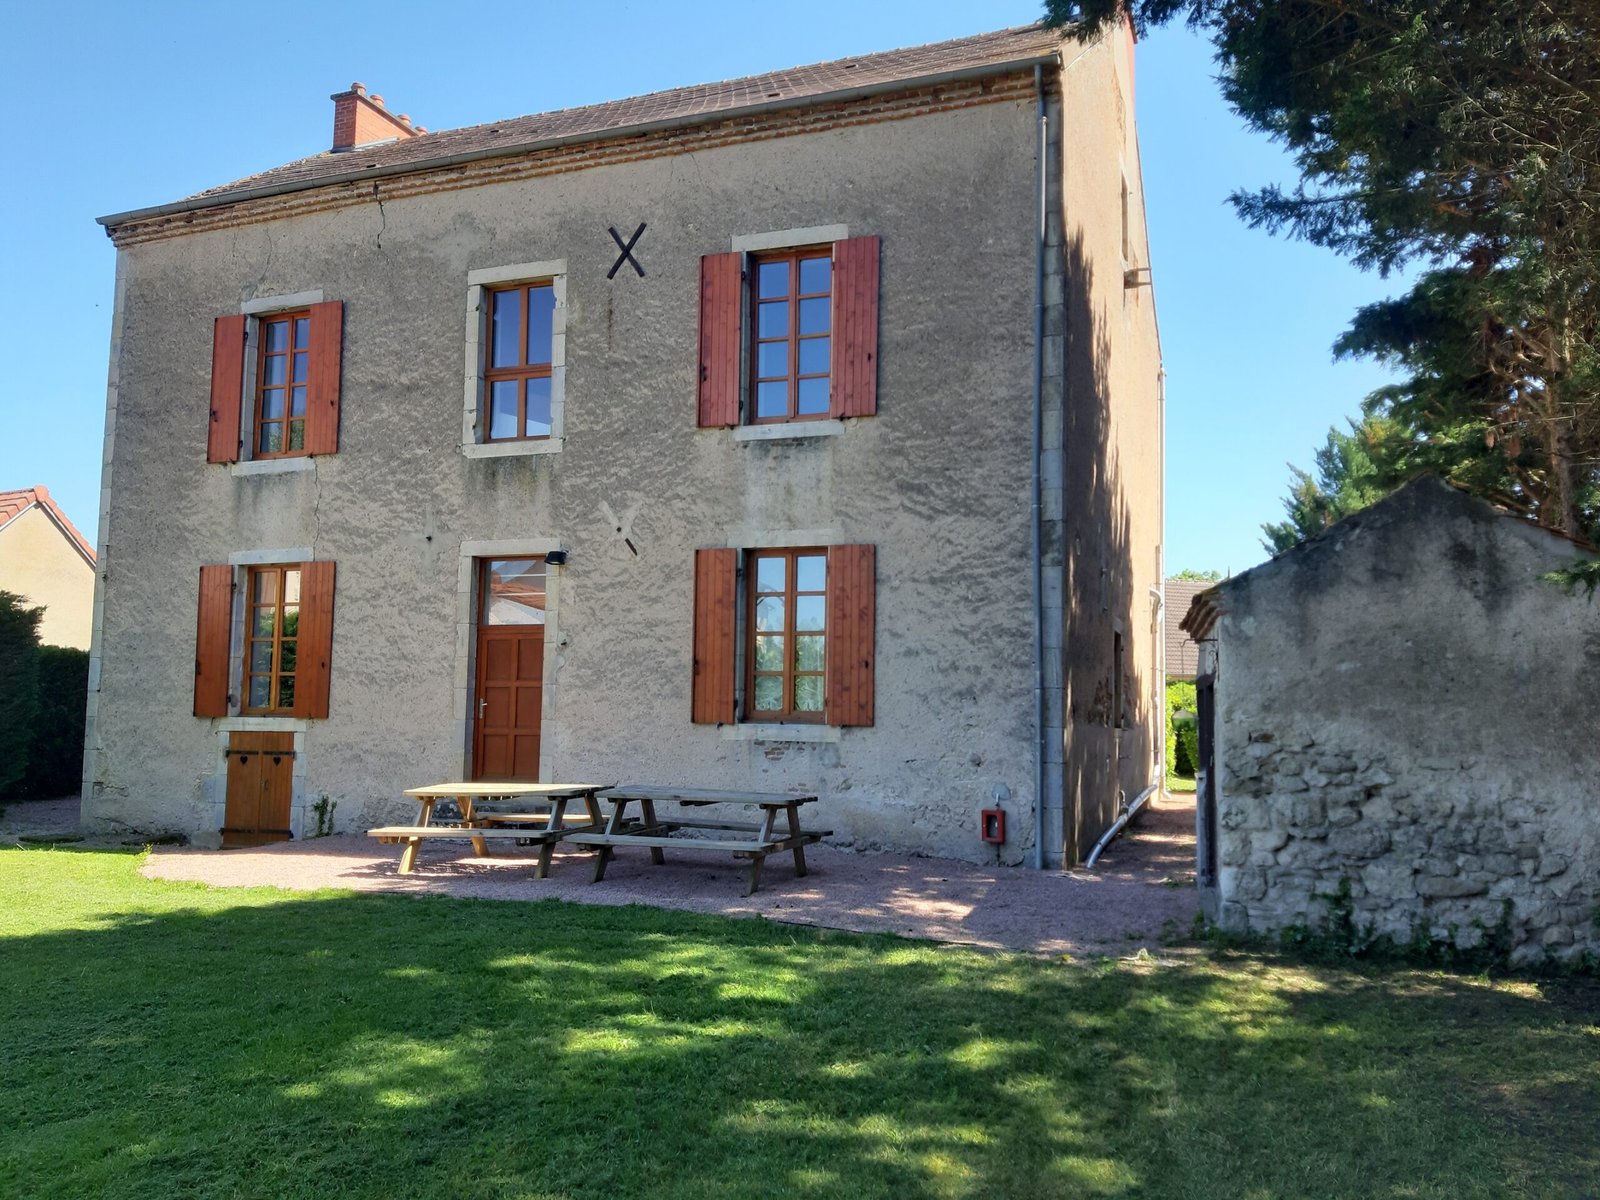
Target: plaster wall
x=1403, y=703
x=937, y=480
x=39, y=563
x=1103, y=459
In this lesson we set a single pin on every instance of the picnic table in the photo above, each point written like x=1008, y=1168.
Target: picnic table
x=648, y=829
x=481, y=825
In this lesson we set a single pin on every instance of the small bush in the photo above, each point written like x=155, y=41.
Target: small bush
x=1181, y=696
x=1187, y=760
x=55, y=759
x=19, y=686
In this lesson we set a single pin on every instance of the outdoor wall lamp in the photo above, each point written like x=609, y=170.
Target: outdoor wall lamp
x=556, y=558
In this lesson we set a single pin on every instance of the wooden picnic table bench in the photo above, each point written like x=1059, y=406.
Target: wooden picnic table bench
x=651, y=830
x=543, y=829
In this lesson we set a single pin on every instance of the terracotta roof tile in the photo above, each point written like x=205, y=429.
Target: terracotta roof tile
x=14, y=504
x=796, y=85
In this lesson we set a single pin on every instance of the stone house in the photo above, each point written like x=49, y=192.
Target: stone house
x=795, y=432
x=1404, y=703
x=46, y=561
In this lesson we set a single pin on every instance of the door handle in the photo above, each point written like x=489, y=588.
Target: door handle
x=482, y=707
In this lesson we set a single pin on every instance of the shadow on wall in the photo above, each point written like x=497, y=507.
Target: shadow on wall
x=1108, y=651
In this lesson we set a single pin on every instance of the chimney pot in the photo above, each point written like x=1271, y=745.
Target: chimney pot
x=404, y=119
x=376, y=99
x=359, y=89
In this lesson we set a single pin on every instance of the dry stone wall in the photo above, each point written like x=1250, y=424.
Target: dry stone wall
x=1423, y=853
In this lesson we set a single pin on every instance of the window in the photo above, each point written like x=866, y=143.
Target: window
x=804, y=625
x=264, y=638
x=516, y=343
x=786, y=647
x=272, y=632
x=519, y=361
x=278, y=401
x=789, y=335
x=790, y=361
x=282, y=377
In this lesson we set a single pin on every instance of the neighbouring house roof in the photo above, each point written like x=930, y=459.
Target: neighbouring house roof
x=1183, y=654
x=14, y=504
x=795, y=87
x=1428, y=494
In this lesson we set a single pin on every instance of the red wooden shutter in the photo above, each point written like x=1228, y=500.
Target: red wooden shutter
x=855, y=328
x=315, y=650
x=852, y=615
x=721, y=330
x=227, y=388
x=322, y=392
x=715, y=617
x=211, y=641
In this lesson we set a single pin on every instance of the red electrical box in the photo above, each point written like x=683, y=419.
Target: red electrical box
x=992, y=825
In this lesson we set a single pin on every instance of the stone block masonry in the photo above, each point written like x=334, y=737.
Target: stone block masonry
x=1433, y=852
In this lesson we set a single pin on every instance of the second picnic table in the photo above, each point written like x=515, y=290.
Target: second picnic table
x=649, y=829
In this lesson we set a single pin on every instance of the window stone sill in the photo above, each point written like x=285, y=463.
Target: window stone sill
x=260, y=724
x=756, y=732
x=788, y=431
x=273, y=466
x=551, y=445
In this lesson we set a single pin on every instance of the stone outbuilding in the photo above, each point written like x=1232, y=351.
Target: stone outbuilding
x=1404, y=703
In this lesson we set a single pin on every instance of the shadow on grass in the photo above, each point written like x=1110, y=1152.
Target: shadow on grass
x=167, y=1039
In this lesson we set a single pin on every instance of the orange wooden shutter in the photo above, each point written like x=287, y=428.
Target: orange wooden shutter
x=715, y=616
x=721, y=306
x=211, y=641
x=315, y=651
x=322, y=392
x=852, y=615
x=855, y=328
x=227, y=388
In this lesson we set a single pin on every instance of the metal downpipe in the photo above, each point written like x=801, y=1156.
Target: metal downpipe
x=1036, y=522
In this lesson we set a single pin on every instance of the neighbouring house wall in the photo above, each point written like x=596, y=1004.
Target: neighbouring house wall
x=1402, y=703
x=1103, y=501
x=937, y=480
x=38, y=562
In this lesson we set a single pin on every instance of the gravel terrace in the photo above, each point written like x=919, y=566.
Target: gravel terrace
x=1142, y=884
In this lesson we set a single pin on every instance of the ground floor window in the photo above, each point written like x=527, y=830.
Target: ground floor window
x=272, y=632
x=786, y=648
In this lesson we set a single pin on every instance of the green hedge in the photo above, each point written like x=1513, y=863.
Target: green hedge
x=19, y=686
x=55, y=760
x=43, y=690
x=1183, y=737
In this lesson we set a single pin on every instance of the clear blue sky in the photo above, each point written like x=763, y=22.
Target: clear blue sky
x=111, y=107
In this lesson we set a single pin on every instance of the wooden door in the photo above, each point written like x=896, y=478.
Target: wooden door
x=260, y=788
x=508, y=691
x=1206, y=811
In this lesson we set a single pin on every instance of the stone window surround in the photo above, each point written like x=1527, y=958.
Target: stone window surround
x=784, y=239
x=467, y=643
x=473, y=444
x=744, y=729
x=253, y=309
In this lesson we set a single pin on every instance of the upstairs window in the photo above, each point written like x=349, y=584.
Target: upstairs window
x=517, y=375
x=283, y=372
x=792, y=352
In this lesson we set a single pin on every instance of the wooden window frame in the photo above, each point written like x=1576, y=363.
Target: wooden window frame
x=275, y=673
x=788, y=713
x=793, y=338
x=523, y=371
x=263, y=321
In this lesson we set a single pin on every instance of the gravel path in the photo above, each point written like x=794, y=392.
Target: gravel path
x=1142, y=883
x=39, y=818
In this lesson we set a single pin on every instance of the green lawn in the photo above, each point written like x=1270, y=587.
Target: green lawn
x=164, y=1040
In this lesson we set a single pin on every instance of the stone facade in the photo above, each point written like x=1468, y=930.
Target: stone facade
x=937, y=480
x=1401, y=704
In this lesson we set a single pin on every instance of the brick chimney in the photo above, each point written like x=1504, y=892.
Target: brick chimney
x=360, y=120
